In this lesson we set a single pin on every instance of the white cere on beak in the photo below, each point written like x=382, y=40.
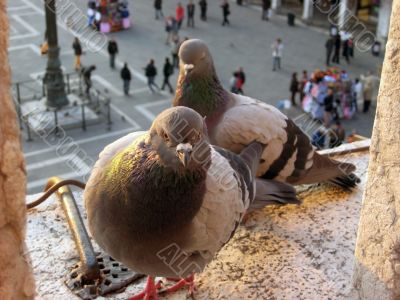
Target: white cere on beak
x=184, y=147
x=188, y=68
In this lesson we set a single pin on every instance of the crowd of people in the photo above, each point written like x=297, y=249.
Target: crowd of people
x=108, y=15
x=329, y=96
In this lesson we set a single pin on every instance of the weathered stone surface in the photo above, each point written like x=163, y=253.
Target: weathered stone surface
x=378, y=243
x=16, y=279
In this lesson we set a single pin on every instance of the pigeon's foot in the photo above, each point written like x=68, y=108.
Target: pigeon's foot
x=150, y=291
x=189, y=281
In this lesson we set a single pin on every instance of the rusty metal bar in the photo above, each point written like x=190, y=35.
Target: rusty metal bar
x=90, y=267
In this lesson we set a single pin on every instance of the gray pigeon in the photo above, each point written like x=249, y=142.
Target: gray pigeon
x=164, y=201
x=234, y=121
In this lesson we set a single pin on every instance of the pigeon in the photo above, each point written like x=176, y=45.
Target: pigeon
x=164, y=201
x=234, y=121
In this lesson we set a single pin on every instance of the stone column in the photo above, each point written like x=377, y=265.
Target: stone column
x=276, y=5
x=377, y=254
x=343, y=12
x=16, y=279
x=308, y=10
x=382, y=30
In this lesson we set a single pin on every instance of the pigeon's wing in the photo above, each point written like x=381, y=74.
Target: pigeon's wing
x=288, y=151
x=225, y=201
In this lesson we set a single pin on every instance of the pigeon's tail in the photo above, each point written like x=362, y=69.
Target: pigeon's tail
x=333, y=171
x=270, y=192
x=251, y=155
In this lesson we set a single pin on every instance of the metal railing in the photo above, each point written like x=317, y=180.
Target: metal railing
x=35, y=89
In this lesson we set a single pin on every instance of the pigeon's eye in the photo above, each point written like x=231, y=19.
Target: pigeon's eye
x=165, y=137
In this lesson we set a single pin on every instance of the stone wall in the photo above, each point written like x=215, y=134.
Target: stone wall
x=377, y=267
x=16, y=279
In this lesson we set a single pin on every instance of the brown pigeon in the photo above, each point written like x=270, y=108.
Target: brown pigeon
x=164, y=201
x=234, y=121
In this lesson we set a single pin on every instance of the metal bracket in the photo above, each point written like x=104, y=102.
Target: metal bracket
x=95, y=274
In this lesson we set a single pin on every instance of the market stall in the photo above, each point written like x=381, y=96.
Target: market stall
x=108, y=15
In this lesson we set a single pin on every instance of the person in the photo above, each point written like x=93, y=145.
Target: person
x=168, y=70
x=294, y=88
x=330, y=43
x=151, y=73
x=336, y=55
x=277, y=51
x=87, y=77
x=225, y=12
x=303, y=82
x=190, y=13
x=78, y=52
x=357, y=92
x=126, y=78
x=179, y=14
x=368, y=90
x=175, y=52
x=318, y=138
x=233, y=83
x=158, y=9
x=171, y=27
x=266, y=5
x=112, y=51
x=328, y=107
x=336, y=135
x=346, y=50
x=240, y=80
x=203, y=10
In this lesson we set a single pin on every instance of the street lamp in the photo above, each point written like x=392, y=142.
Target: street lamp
x=53, y=79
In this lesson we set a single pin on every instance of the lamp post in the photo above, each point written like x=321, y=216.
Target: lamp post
x=53, y=79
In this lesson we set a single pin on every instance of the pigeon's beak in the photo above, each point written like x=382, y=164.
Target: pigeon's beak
x=184, y=153
x=188, y=68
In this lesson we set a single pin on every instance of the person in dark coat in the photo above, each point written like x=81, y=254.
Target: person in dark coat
x=126, y=78
x=112, y=51
x=240, y=80
x=330, y=43
x=78, y=52
x=158, y=9
x=203, y=10
x=294, y=88
x=346, y=51
x=168, y=70
x=87, y=77
x=337, y=44
x=151, y=73
x=190, y=8
x=225, y=12
x=328, y=107
x=266, y=5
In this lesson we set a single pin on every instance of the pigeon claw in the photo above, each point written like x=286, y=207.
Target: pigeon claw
x=189, y=281
x=150, y=291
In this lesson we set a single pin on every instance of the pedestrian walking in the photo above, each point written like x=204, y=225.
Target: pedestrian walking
x=368, y=89
x=190, y=8
x=303, y=81
x=151, y=73
x=179, y=14
x=168, y=70
x=126, y=78
x=78, y=52
x=328, y=107
x=240, y=80
x=112, y=51
x=337, y=44
x=171, y=27
x=175, y=52
x=294, y=88
x=266, y=6
x=329, y=45
x=277, y=51
x=203, y=10
x=87, y=77
x=346, y=50
x=225, y=12
x=158, y=9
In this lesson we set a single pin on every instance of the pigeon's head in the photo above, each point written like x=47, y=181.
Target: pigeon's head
x=179, y=136
x=195, y=59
